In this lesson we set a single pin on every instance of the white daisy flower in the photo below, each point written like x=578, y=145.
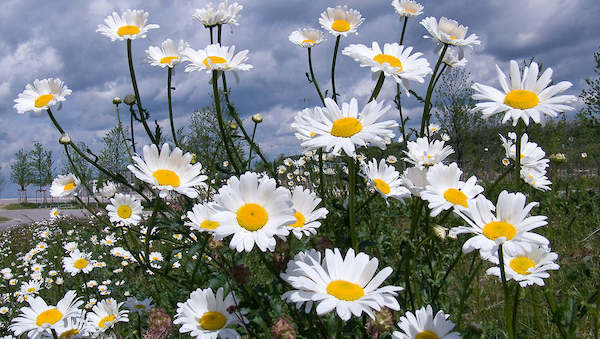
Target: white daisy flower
x=31, y=287
x=415, y=179
x=225, y=13
x=391, y=159
x=169, y=171
x=345, y=128
x=526, y=267
x=216, y=58
x=168, y=55
x=424, y=325
x=207, y=315
x=230, y=12
x=70, y=246
x=433, y=128
x=304, y=124
x=71, y=328
x=77, y=262
x=510, y=226
x=131, y=24
x=253, y=210
x=536, y=179
x=532, y=156
x=40, y=317
x=43, y=94
x=453, y=59
x=524, y=98
x=293, y=273
x=201, y=217
x=407, y=8
x=106, y=314
x=341, y=20
x=139, y=306
x=346, y=284
x=394, y=61
x=54, y=213
x=64, y=186
x=445, y=190
x=448, y=31
x=124, y=209
x=385, y=179
x=306, y=37
x=424, y=153
x=155, y=257
x=307, y=218
x=108, y=190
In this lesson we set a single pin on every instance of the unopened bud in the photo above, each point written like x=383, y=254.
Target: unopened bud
x=116, y=101
x=129, y=100
x=64, y=139
x=440, y=232
x=214, y=244
x=257, y=118
x=558, y=158
x=233, y=125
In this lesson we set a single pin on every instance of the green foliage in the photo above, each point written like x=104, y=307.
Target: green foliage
x=40, y=163
x=113, y=155
x=20, y=171
x=591, y=96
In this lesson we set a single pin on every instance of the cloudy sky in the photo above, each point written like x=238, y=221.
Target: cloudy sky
x=42, y=39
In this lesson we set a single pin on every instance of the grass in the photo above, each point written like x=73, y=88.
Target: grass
x=4, y=219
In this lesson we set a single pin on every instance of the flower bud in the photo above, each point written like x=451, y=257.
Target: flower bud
x=129, y=100
x=116, y=101
x=440, y=232
x=282, y=329
x=257, y=118
x=558, y=158
x=233, y=125
x=64, y=139
x=214, y=244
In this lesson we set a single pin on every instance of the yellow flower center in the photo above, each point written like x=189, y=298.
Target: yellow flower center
x=80, y=263
x=389, y=59
x=522, y=264
x=426, y=335
x=55, y=212
x=340, y=26
x=30, y=290
x=345, y=290
x=456, y=197
x=124, y=211
x=212, y=321
x=312, y=134
x=209, y=224
x=382, y=186
x=70, y=186
x=68, y=334
x=214, y=60
x=128, y=30
x=300, y=220
x=140, y=306
x=346, y=127
x=252, y=216
x=521, y=99
x=51, y=316
x=43, y=100
x=307, y=41
x=410, y=11
x=108, y=319
x=166, y=177
x=168, y=59
x=497, y=229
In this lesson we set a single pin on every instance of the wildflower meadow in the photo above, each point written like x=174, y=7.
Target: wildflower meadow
x=376, y=230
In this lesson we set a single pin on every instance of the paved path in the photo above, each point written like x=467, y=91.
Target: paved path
x=19, y=217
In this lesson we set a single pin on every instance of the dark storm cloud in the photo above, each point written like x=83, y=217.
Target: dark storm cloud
x=58, y=39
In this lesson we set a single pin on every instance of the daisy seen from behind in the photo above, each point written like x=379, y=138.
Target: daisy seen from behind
x=394, y=60
x=124, y=209
x=169, y=171
x=254, y=211
x=42, y=95
x=527, y=267
x=306, y=37
x=449, y=32
x=342, y=127
x=445, y=190
x=415, y=179
x=526, y=97
x=407, y=8
x=139, y=306
x=131, y=24
x=306, y=213
x=341, y=21
x=216, y=58
x=207, y=315
x=64, y=186
x=105, y=314
x=384, y=179
x=423, y=324
x=347, y=284
x=167, y=55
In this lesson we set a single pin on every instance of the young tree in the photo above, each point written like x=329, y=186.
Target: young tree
x=40, y=162
x=114, y=156
x=591, y=96
x=20, y=172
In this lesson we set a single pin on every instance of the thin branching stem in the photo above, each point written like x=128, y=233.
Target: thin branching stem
x=221, y=123
x=138, y=100
x=335, y=51
x=427, y=105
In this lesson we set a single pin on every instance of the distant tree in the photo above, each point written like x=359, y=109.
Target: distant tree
x=40, y=162
x=453, y=109
x=20, y=171
x=1, y=179
x=114, y=156
x=591, y=96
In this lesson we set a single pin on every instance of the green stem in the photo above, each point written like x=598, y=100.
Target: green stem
x=499, y=180
x=78, y=174
x=520, y=126
x=427, y=106
x=139, y=323
x=403, y=30
x=210, y=29
x=312, y=76
x=131, y=114
x=321, y=176
x=251, y=142
x=352, y=201
x=123, y=133
x=507, y=309
x=536, y=313
x=335, y=51
x=378, y=86
x=221, y=124
x=137, y=94
x=515, y=306
x=54, y=335
x=169, y=88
